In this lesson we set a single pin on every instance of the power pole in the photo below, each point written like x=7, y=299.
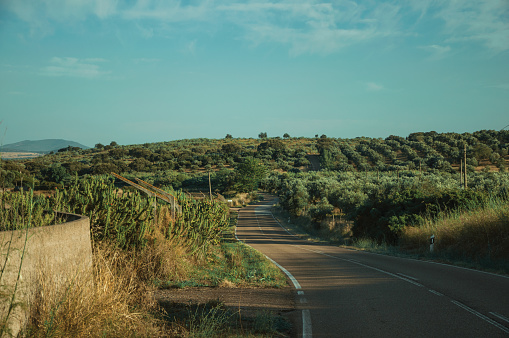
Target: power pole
x=461, y=172
x=465, y=162
x=210, y=188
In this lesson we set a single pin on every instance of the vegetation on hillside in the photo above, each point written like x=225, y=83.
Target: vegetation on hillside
x=185, y=163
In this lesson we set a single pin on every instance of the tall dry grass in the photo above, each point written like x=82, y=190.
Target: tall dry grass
x=118, y=301
x=115, y=303
x=478, y=234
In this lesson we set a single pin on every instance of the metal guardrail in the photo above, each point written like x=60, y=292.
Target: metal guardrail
x=150, y=190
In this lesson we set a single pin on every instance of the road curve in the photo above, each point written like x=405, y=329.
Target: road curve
x=348, y=293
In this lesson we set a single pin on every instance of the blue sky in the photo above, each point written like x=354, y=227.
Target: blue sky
x=152, y=70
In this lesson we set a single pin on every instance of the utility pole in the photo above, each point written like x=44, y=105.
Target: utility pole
x=461, y=172
x=465, y=162
x=210, y=188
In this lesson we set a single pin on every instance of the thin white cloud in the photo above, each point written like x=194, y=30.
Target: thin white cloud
x=73, y=67
x=167, y=11
x=146, y=60
x=146, y=32
x=310, y=27
x=303, y=26
x=15, y=93
x=477, y=20
x=504, y=86
x=437, y=51
x=190, y=47
x=374, y=87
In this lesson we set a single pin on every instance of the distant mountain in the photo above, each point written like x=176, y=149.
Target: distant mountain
x=41, y=146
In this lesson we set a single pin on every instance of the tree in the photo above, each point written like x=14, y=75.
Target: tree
x=286, y=135
x=140, y=164
x=273, y=147
x=113, y=144
x=262, y=135
x=118, y=153
x=228, y=136
x=231, y=148
x=294, y=197
x=321, y=210
x=249, y=174
x=482, y=152
x=99, y=146
x=55, y=173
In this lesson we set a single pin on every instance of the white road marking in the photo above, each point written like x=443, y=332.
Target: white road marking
x=406, y=276
x=480, y=315
x=412, y=259
x=499, y=316
x=364, y=265
x=306, y=324
x=435, y=292
x=293, y=279
x=306, y=316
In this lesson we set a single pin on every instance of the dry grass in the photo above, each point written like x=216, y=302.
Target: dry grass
x=117, y=303
x=481, y=234
x=242, y=199
x=338, y=231
x=118, y=300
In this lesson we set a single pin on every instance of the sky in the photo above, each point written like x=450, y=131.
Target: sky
x=143, y=71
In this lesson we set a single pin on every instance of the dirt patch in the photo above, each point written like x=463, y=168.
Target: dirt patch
x=248, y=302
x=18, y=155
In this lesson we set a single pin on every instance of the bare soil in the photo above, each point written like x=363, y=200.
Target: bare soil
x=248, y=302
x=18, y=155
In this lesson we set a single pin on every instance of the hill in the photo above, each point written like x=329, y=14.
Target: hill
x=184, y=164
x=40, y=146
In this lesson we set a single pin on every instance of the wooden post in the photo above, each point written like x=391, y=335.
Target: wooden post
x=465, y=162
x=210, y=188
x=155, y=210
x=461, y=172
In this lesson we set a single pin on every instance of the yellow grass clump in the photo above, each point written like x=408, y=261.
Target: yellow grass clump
x=116, y=303
x=477, y=234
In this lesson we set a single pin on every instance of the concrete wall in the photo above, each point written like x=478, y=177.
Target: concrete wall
x=59, y=252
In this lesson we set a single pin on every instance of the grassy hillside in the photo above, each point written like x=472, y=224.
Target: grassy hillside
x=184, y=163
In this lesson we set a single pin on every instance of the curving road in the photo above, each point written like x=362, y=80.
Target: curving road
x=347, y=293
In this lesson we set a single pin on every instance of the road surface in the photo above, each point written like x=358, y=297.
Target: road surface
x=348, y=293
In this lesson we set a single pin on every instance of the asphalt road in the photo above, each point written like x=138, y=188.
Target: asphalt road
x=348, y=293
